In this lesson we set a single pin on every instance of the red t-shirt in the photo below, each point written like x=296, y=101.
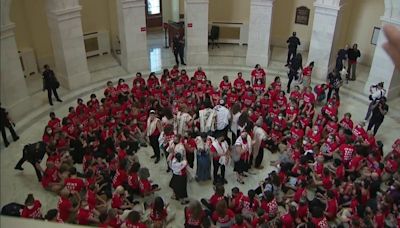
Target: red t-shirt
x=192, y=222
x=309, y=98
x=133, y=180
x=332, y=208
x=156, y=216
x=144, y=186
x=64, y=206
x=74, y=184
x=347, y=151
x=215, y=199
x=258, y=74
x=229, y=215
x=117, y=201
x=119, y=178
x=239, y=84
x=83, y=215
x=130, y=224
x=287, y=221
x=34, y=212
x=225, y=85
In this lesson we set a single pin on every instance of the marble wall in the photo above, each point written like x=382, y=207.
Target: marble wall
x=259, y=32
x=132, y=34
x=196, y=31
x=67, y=39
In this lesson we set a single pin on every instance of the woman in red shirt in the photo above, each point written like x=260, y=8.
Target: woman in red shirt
x=194, y=215
x=133, y=221
x=32, y=208
x=158, y=213
x=85, y=215
x=258, y=73
x=222, y=216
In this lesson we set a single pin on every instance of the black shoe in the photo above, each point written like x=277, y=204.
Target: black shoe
x=225, y=181
x=16, y=138
x=288, y=91
x=168, y=170
x=287, y=64
x=6, y=144
x=59, y=100
x=157, y=161
x=184, y=64
x=153, y=156
x=51, y=104
x=18, y=168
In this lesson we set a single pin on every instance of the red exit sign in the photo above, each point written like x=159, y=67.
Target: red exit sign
x=190, y=25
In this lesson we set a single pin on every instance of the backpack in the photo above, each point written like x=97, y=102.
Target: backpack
x=12, y=209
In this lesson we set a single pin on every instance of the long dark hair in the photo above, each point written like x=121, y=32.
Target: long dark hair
x=158, y=205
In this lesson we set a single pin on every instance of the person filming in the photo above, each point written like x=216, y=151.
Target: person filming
x=377, y=92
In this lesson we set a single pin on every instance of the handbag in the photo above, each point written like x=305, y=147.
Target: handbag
x=57, y=84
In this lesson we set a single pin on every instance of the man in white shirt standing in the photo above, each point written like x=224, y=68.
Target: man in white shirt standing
x=223, y=116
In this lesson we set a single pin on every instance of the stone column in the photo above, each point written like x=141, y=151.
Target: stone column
x=14, y=92
x=132, y=35
x=322, y=37
x=196, y=31
x=64, y=20
x=382, y=67
x=259, y=32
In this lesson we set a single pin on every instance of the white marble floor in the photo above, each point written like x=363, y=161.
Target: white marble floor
x=226, y=60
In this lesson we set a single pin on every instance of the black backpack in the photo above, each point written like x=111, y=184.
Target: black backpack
x=12, y=209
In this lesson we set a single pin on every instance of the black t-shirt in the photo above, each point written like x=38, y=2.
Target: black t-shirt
x=3, y=117
x=293, y=42
x=177, y=43
x=342, y=54
x=334, y=80
x=376, y=113
x=353, y=54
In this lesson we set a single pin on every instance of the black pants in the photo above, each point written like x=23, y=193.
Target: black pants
x=374, y=123
x=154, y=144
x=234, y=137
x=216, y=167
x=291, y=54
x=291, y=75
x=38, y=173
x=11, y=129
x=190, y=159
x=224, y=132
x=259, y=157
x=330, y=93
x=179, y=52
x=49, y=94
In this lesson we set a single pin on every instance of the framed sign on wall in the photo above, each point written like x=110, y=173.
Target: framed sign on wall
x=302, y=15
x=375, y=35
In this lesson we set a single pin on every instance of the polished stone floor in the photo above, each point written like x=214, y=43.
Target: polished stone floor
x=226, y=60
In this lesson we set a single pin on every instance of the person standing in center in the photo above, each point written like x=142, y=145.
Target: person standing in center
x=50, y=83
x=220, y=153
x=223, y=117
x=293, y=42
x=178, y=48
x=295, y=65
x=352, y=55
x=154, y=130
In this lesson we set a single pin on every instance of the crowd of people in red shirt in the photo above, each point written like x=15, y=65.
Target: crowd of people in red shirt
x=330, y=170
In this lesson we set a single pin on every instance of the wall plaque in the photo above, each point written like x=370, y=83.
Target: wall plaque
x=302, y=15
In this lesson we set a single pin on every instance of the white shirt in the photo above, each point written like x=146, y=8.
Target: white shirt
x=177, y=167
x=223, y=117
x=377, y=93
x=234, y=125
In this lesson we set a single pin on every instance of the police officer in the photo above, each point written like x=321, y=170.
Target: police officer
x=178, y=48
x=6, y=122
x=293, y=42
x=33, y=153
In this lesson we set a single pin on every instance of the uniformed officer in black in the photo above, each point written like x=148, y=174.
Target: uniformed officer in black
x=6, y=122
x=33, y=153
x=293, y=42
x=178, y=48
x=50, y=83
